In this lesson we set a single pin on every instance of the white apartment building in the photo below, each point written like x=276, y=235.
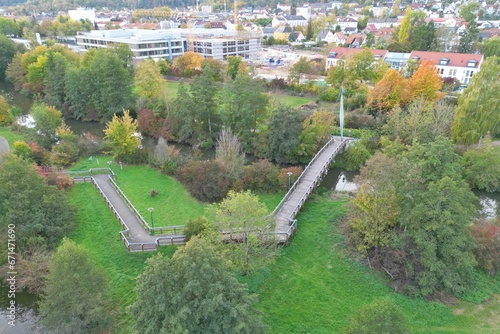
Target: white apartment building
x=143, y=43
x=172, y=43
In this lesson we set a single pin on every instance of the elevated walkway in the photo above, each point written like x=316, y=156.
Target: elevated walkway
x=290, y=205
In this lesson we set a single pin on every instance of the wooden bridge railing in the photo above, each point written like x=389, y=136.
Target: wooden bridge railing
x=292, y=222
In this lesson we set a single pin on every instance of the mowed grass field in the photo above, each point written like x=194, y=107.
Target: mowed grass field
x=314, y=288
x=98, y=232
x=293, y=101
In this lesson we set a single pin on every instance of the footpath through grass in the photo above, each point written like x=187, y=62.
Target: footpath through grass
x=98, y=232
x=314, y=288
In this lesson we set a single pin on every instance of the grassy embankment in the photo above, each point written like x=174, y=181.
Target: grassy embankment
x=314, y=288
x=98, y=230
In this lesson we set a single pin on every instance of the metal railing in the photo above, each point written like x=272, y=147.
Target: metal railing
x=292, y=222
x=90, y=172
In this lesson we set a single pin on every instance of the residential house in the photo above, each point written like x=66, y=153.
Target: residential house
x=291, y=20
x=304, y=11
x=347, y=22
x=339, y=53
x=325, y=36
x=267, y=31
x=282, y=32
x=339, y=38
x=461, y=66
x=299, y=36
x=355, y=40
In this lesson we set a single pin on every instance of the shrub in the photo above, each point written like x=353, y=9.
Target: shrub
x=329, y=94
x=283, y=175
x=206, y=180
x=379, y=317
x=154, y=193
x=195, y=227
x=22, y=149
x=63, y=181
x=261, y=176
x=487, y=237
x=354, y=157
x=89, y=144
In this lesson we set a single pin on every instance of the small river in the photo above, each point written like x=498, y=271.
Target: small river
x=336, y=179
x=26, y=313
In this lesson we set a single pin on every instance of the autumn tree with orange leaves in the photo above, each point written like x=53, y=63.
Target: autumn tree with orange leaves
x=426, y=82
x=391, y=91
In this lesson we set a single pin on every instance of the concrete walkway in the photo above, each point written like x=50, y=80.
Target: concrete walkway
x=137, y=232
x=4, y=145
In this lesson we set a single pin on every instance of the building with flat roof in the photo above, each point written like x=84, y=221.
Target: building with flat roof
x=143, y=43
x=172, y=43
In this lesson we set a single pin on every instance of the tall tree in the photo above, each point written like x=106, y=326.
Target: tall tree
x=41, y=213
x=54, y=82
x=47, y=120
x=405, y=27
x=285, y=126
x=411, y=219
x=148, y=81
x=204, y=92
x=76, y=294
x=491, y=47
x=193, y=293
x=7, y=52
x=477, y=111
x=243, y=106
x=468, y=41
x=426, y=82
x=423, y=37
x=391, y=91
x=121, y=133
x=244, y=215
x=316, y=131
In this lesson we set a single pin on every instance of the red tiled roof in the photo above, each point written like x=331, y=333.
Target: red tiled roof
x=346, y=52
x=455, y=59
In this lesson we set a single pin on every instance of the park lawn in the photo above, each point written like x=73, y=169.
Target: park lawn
x=172, y=206
x=292, y=101
x=98, y=232
x=271, y=200
x=172, y=87
x=12, y=136
x=314, y=288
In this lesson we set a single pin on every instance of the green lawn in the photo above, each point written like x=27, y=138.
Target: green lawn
x=97, y=231
x=11, y=136
x=314, y=288
x=293, y=101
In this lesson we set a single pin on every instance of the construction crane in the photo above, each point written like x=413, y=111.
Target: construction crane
x=191, y=37
x=235, y=15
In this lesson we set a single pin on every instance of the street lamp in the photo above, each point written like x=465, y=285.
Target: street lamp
x=152, y=221
x=289, y=175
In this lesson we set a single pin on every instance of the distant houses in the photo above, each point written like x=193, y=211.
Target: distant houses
x=460, y=66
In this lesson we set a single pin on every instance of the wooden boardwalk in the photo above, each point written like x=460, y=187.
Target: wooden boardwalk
x=290, y=205
x=137, y=235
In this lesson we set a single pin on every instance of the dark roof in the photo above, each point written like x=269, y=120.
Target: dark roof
x=295, y=18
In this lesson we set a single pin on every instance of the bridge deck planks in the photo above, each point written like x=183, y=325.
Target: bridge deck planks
x=307, y=181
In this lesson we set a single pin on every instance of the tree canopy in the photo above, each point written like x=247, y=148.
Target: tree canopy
x=193, y=292
x=477, y=110
x=76, y=294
